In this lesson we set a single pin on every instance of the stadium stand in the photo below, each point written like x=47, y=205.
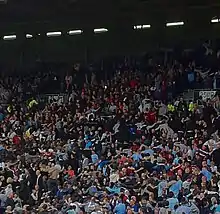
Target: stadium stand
x=124, y=135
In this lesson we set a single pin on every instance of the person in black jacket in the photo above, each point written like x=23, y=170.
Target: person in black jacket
x=40, y=181
x=24, y=191
x=215, y=157
x=205, y=209
x=10, y=201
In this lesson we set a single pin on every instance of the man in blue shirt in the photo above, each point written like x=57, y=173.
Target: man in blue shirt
x=183, y=208
x=172, y=201
x=94, y=157
x=136, y=156
x=120, y=208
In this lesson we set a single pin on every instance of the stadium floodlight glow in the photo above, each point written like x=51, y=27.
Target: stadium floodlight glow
x=174, y=24
x=100, y=30
x=146, y=26
x=75, y=32
x=10, y=37
x=50, y=34
x=138, y=27
x=29, y=36
x=215, y=20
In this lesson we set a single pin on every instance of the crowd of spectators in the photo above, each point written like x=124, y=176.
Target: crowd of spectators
x=127, y=144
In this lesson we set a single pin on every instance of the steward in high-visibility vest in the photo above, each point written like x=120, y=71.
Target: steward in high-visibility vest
x=191, y=107
x=10, y=108
x=32, y=103
x=170, y=108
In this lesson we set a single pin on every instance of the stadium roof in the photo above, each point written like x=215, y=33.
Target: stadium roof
x=38, y=17
x=93, y=13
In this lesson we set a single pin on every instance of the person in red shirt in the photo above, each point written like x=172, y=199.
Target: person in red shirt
x=69, y=172
x=151, y=116
x=122, y=160
x=133, y=83
x=135, y=147
x=16, y=140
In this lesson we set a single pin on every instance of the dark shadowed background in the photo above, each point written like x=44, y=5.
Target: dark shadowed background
x=119, y=16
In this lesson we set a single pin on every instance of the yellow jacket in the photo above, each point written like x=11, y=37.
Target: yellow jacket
x=170, y=108
x=32, y=103
x=191, y=107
